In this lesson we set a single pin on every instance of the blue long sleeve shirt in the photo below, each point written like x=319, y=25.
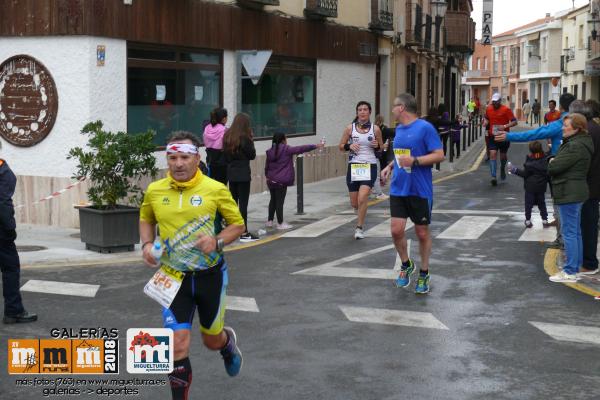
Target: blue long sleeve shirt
x=552, y=131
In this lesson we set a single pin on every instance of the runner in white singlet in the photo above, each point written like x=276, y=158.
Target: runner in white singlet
x=362, y=139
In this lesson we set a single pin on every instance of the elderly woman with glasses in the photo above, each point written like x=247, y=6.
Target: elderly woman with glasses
x=568, y=172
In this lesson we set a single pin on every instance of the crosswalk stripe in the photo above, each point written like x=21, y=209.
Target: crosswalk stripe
x=468, y=227
x=242, y=304
x=347, y=272
x=330, y=265
x=478, y=212
x=538, y=233
x=63, y=288
x=383, y=229
x=316, y=229
x=569, y=333
x=392, y=317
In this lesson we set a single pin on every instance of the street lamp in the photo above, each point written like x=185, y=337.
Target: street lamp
x=438, y=8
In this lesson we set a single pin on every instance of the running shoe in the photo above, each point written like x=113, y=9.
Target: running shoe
x=269, y=224
x=359, y=233
x=383, y=196
x=585, y=271
x=422, y=284
x=403, y=279
x=494, y=182
x=545, y=223
x=562, y=276
x=528, y=224
x=248, y=237
x=283, y=226
x=232, y=356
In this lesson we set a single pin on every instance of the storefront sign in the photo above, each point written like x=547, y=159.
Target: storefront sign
x=28, y=101
x=488, y=19
x=592, y=68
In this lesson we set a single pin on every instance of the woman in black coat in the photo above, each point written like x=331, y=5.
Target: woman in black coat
x=238, y=145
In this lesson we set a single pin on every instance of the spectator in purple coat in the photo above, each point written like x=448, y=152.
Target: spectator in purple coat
x=279, y=173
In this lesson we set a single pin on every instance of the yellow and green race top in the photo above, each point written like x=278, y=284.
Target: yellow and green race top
x=183, y=210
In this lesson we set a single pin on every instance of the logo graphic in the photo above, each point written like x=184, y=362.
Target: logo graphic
x=195, y=200
x=63, y=356
x=150, y=350
x=23, y=356
x=55, y=356
x=166, y=201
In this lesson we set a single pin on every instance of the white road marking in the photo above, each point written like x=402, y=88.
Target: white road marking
x=383, y=229
x=392, y=317
x=538, y=233
x=329, y=269
x=442, y=211
x=316, y=229
x=478, y=212
x=468, y=228
x=64, y=288
x=570, y=333
x=241, y=304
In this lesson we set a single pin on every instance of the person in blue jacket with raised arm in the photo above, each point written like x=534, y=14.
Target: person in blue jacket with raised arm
x=552, y=131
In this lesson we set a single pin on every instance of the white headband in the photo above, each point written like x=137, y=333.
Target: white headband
x=181, y=148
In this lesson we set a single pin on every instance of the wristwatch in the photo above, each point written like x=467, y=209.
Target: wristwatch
x=415, y=162
x=220, y=244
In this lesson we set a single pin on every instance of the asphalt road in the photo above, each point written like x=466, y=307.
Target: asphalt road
x=485, y=294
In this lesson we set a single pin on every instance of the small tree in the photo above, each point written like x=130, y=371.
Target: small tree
x=114, y=164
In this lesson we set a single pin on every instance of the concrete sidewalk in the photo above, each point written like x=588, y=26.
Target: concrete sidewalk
x=52, y=246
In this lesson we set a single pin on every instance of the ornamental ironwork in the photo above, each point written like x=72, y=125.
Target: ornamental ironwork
x=28, y=101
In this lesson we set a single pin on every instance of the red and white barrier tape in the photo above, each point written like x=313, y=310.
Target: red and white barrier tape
x=53, y=195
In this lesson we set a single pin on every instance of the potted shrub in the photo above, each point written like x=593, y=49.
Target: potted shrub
x=113, y=164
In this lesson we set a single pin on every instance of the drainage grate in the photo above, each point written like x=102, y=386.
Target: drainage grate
x=26, y=249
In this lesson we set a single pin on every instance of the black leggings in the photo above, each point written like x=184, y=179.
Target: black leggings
x=241, y=194
x=276, y=203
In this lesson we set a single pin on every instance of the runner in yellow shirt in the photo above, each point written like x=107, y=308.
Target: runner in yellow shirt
x=184, y=206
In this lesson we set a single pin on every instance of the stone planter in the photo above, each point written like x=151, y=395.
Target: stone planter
x=109, y=231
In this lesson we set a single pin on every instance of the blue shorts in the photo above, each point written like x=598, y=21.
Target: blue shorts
x=354, y=186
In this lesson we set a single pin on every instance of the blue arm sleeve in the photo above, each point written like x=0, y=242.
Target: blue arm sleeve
x=543, y=132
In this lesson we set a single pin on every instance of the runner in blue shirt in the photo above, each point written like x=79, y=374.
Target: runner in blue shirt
x=417, y=147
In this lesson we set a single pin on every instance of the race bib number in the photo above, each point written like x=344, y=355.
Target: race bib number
x=360, y=172
x=401, y=152
x=164, y=285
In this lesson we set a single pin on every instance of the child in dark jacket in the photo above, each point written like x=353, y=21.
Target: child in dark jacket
x=279, y=173
x=535, y=174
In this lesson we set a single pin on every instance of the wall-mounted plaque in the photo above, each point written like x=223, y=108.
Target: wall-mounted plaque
x=28, y=101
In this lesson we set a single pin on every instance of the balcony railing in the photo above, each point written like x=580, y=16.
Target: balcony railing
x=533, y=65
x=321, y=9
x=382, y=15
x=461, y=31
x=258, y=3
x=477, y=73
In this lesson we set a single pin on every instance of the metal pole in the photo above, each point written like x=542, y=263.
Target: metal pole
x=300, y=184
x=451, y=147
x=470, y=133
x=464, y=138
x=480, y=126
